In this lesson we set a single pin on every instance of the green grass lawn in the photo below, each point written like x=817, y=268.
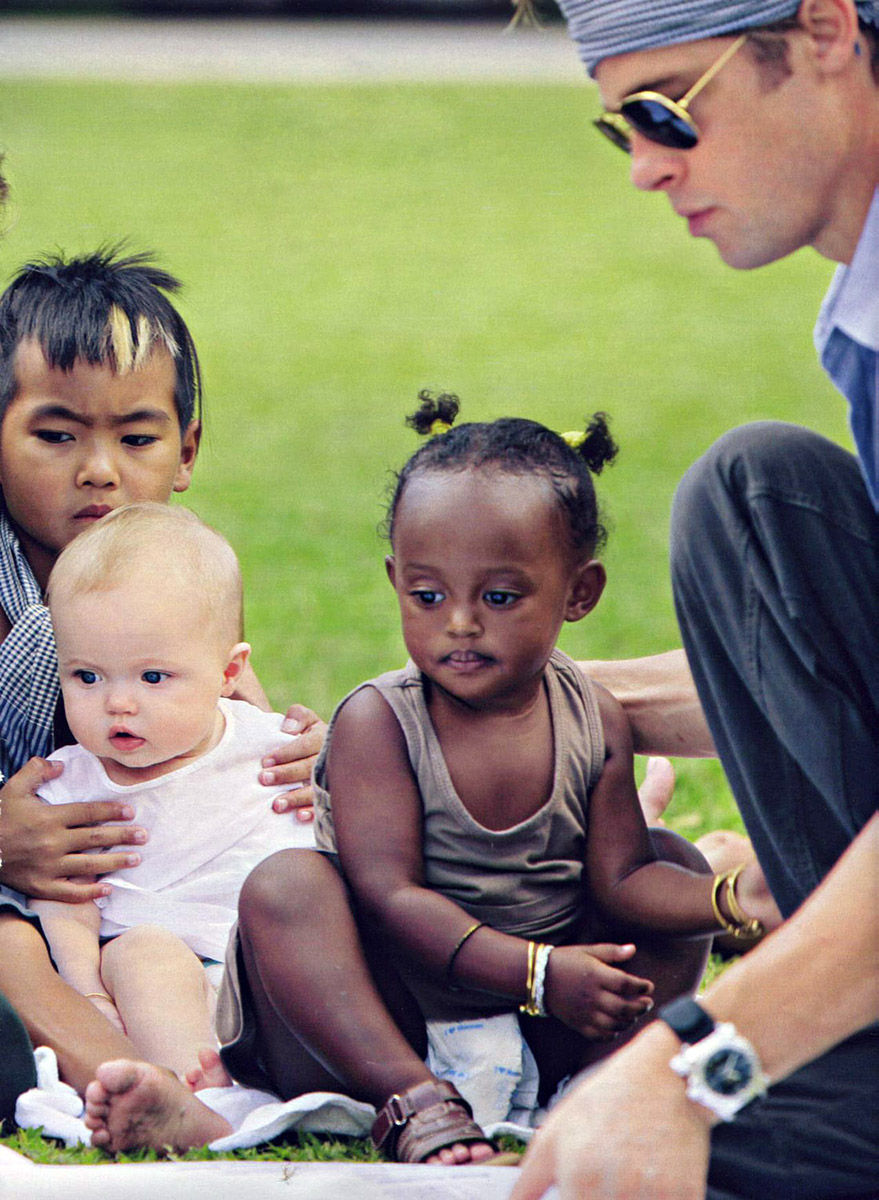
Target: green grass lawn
x=344, y=247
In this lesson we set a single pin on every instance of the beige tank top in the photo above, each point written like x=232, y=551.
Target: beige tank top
x=525, y=880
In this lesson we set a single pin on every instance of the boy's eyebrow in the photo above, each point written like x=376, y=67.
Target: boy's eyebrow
x=61, y=412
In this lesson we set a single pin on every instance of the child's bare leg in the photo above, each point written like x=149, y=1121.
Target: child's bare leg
x=164, y=997
x=676, y=965
x=53, y=1013
x=330, y=1008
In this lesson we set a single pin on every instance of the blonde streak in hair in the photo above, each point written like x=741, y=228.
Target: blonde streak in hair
x=145, y=337
x=119, y=339
x=149, y=335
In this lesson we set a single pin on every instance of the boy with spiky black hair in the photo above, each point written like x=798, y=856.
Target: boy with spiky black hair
x=100, y=405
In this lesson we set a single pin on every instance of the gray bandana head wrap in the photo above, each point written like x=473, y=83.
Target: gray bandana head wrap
x=602, y=28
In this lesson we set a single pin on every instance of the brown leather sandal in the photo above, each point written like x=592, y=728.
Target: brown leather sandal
x=426, y=1118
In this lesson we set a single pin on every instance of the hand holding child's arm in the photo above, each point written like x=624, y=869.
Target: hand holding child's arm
x=44, y=846
x=73, y=934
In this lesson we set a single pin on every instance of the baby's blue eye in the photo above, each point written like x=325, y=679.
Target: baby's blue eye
x=154, y=676
x=86, y=677
x=499, y=599
x=428, y=597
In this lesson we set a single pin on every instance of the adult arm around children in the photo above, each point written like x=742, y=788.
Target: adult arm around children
x=377, y=818
x=629, y=1129
x=659, y=697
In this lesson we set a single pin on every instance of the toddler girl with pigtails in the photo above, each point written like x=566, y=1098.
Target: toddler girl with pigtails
x=480, y=805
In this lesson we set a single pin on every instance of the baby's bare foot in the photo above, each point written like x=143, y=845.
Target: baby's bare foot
x=130, y=1104
x=209, y=1073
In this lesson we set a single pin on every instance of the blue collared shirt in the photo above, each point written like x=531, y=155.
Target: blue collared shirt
x=847, y=341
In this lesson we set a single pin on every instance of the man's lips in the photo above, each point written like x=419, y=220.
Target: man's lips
x=696, y=218
x=92, y=511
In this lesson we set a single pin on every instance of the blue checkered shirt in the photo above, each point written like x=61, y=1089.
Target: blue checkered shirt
x=29, y=686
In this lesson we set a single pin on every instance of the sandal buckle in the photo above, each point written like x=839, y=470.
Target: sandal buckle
x=396, y=1111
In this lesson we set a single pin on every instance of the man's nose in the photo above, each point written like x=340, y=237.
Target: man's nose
x=654, y=167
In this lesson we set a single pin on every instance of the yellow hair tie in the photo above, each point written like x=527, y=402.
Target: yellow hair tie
x=438, y=427
x=574, y=439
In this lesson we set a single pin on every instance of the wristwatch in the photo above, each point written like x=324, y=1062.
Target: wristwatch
x=721, y=1067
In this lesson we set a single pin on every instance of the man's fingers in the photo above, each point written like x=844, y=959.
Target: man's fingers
x=102, y=837
x=93, y=812
x=301, y=801
x=297, y=755
x=66, y=891
x=98, y=864
x=299, y=718
x=37, y=771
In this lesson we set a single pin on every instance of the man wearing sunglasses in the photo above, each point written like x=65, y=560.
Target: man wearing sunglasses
x=760, y=122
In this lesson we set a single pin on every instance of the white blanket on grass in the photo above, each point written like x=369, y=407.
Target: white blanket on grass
x=487, y=1060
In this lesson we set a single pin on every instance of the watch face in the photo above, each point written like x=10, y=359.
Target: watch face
x=728, y=1071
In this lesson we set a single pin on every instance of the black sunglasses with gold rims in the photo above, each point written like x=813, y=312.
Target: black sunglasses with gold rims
x=658, y=118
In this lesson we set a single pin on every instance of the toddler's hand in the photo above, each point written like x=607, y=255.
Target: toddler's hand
x=293, y=763
x=587, y=992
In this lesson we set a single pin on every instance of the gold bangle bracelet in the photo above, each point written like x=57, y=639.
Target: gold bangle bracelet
x=751, y=927
x=741, y=927
x=460, y=942
x=528, y=1005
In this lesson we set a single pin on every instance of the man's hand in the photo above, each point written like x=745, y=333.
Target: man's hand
x=628, y=1132
x=292, y=763
x=586, y=991
x=42, y=845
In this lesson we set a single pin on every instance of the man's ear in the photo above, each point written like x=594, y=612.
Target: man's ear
x=188, y=452
x=832, y=26
x=391, y=568
x=586, y=588
x=238, y=656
